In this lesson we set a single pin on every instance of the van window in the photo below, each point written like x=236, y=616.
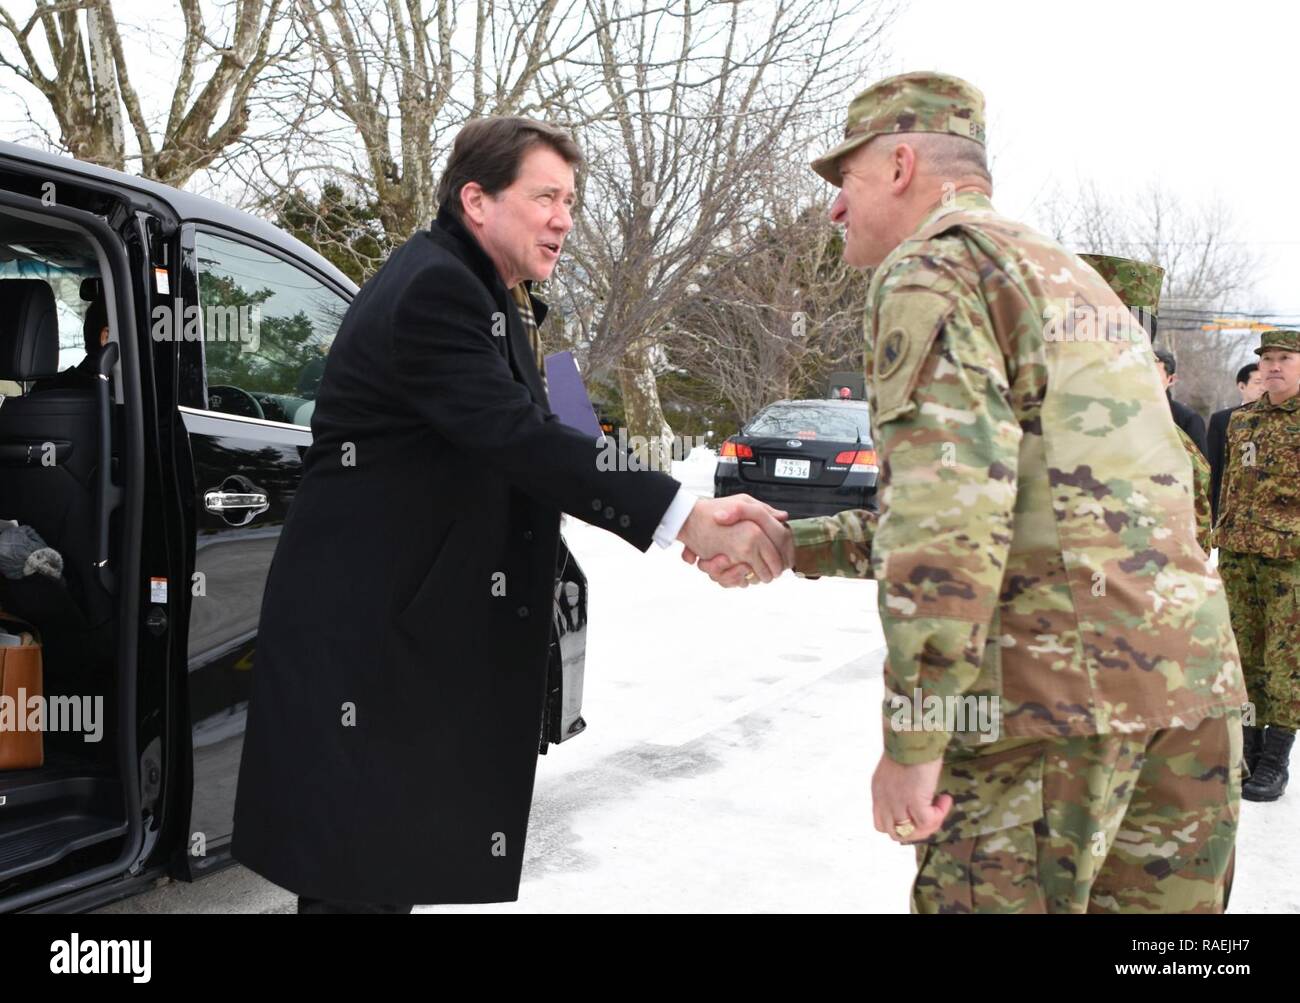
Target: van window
x=67, y=264
x=267, y=326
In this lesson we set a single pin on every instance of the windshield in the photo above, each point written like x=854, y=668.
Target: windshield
x=813, y=420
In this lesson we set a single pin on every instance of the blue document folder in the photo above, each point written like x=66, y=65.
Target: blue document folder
x=568, y=394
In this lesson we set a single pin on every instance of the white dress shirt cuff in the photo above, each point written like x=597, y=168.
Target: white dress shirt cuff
x=671, y=524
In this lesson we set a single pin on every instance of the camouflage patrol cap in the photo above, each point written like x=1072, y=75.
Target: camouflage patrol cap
x=910, y=102
x=1289, y=340
x=1137, y=283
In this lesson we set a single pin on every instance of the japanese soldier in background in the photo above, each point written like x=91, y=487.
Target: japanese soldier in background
x=1258, y=536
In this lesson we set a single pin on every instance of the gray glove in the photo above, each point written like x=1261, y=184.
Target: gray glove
x=23, y=553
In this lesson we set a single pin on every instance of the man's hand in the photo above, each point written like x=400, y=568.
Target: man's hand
x=740, y=530
x=906, y=794
x=726, y=570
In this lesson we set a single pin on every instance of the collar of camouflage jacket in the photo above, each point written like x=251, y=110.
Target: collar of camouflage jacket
x=967, y=201
x=1290, y=404
x=935, y=222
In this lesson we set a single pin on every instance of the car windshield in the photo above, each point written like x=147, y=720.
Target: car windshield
x=813, y=420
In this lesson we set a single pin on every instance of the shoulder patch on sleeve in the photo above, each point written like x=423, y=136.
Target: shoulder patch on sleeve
x=893, y=352
x=909, y=321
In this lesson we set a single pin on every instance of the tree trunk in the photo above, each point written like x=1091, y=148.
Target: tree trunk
x=91, y=119
x=642, y=411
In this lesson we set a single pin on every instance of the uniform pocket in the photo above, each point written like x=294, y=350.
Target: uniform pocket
x=985, y=858
x=993, y=792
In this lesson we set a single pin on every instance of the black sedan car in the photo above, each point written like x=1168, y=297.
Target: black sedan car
x=808, y=457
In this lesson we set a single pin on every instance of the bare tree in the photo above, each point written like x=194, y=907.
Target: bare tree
x=81, y=68
x=391, y=81
x=695, y=103
x=1207, y=270
x=774, y=317
x=681, y=106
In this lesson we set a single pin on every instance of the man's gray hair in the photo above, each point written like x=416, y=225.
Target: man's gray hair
x=946, y=156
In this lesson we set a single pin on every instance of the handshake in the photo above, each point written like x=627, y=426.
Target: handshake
x=737, y=540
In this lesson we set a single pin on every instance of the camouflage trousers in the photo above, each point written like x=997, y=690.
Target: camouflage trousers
x=1089, y=823
x=1264, y=601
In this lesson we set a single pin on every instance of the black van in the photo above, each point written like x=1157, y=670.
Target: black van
x=159, y=467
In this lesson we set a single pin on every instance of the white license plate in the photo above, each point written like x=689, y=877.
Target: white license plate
x=793, y=468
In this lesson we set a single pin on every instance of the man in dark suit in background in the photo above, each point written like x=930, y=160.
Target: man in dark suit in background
x=398, y=690
x=1250, y=384
x=1184, y=417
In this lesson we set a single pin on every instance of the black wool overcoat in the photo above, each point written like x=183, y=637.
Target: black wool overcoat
x=398, y=681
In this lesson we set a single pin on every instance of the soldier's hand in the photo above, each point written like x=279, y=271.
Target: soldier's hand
x=906, y=793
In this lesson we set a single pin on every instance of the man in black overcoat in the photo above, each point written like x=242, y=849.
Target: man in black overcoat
x=397, y=694
x=1184, y=417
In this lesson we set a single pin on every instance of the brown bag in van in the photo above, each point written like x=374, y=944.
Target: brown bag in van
x=20, y=679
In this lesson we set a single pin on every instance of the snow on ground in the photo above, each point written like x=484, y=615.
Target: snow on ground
x=729, y=746
x=727, y=761
x=730, y=743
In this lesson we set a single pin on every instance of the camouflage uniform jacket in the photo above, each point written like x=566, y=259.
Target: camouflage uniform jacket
x=1036, y=542
x=1201, y=476
x=1259, y=503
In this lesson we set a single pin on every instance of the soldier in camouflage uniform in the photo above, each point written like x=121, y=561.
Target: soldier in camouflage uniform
x=1258, y=536
x=1138, y=284
x=1035, y=549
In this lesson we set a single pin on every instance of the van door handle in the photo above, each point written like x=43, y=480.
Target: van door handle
x=237, y=500
x=228, y=501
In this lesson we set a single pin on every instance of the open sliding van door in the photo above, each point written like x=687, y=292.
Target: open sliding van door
x=71, y=470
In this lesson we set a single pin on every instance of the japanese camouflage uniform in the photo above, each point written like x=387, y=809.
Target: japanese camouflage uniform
x=1258, y=536
x=1201, y=476
x=1036, y=549
x=1138, y=284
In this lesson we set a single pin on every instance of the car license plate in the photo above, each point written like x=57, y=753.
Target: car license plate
x=792, y=468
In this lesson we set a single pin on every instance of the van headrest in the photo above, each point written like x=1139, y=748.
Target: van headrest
x=29, y=330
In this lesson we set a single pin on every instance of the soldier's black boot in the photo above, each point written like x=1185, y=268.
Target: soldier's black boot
x=1252, y=745
x=1271, y=775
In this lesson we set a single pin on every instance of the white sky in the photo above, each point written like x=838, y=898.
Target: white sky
x=1197, y=96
